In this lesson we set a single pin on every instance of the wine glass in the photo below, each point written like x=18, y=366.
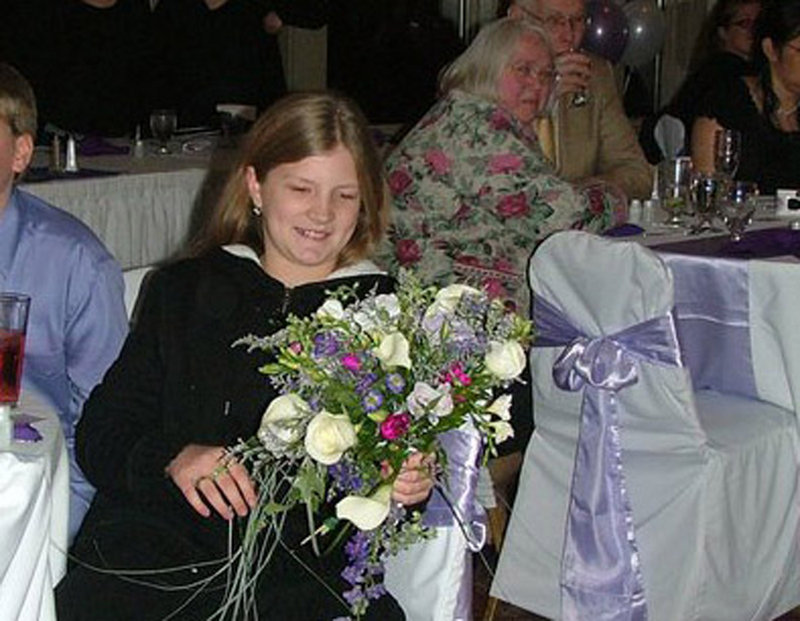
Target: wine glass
x=727, y=150
x=163, y=124
x=675, y=181
x=737, y=207
x=705, y=192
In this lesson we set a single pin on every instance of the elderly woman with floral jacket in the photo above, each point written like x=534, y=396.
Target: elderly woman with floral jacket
x=472, y=190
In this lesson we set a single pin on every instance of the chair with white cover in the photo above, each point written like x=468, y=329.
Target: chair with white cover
x=639, y=497
x=133, y=279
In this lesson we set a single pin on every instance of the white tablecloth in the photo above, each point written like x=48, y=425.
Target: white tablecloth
x=34, y=511
x=145, y=213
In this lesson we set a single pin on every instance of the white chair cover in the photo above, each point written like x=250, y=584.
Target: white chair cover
x=712, y=479
x=133, y=279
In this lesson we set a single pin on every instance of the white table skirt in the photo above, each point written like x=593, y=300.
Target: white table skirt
x=34, y=511
x=141, y=218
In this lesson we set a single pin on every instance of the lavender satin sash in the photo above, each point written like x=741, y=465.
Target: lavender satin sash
x=600, y=571
x=712, y=309
x=455, y=505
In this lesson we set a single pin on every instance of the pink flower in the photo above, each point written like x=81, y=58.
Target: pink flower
x=494, y=288
x=351, y=362
x=505, y=163
x=463, y=378
x=468, y=259
x=296, y=347
x=513, y=206
x=499, y=120
x=438, y=161
x=395, y=426
x=407, y=251
x=399, y=180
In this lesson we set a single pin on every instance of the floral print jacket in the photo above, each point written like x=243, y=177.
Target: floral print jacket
x=473, y=195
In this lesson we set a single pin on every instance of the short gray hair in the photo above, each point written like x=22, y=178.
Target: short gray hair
x=478, y=69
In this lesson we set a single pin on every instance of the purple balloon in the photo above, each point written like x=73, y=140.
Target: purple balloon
x=607, y=29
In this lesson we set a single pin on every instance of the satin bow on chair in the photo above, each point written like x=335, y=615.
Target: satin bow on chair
x=600, y=573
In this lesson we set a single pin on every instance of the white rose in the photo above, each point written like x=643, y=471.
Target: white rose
x=425, y=399
x=502, y=431
x=366, y=513
x=328, y=436
x=505, y=360
x=393, y=351
x=331, y=308
x=282, y=421
x=448, y=298
x=501, y=407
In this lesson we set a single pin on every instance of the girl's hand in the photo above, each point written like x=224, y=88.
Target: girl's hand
x=415, y=481
x=206, y=477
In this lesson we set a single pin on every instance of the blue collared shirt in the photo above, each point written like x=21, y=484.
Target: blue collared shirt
x=77, y=319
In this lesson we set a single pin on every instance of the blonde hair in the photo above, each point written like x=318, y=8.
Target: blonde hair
x=17, y=101
x=478, y=70
x=296, y=127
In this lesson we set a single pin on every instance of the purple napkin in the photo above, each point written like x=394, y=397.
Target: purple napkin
x=623, y=230
x=96, y=145
x=24, y=431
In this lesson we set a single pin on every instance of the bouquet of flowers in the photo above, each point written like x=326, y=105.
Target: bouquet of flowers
x=363, y=384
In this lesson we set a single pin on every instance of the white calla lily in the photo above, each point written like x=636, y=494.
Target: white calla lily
x=367, y=513
x=394, y=351
x=501, y=407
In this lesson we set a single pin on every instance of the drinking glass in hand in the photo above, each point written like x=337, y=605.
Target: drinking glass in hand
x=13, y=323
x=737, y=207
x=163, y=124
x=727, y=150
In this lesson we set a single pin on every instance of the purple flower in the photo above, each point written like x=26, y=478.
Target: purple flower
x=358, y=546
x=372, y=400
x=345, y=476
x=353, y=574
x=376, y=591
x=325, y=344
x=395, y=383
x=354, y=595
x=365, y=382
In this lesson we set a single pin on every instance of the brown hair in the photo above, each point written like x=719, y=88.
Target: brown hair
x=299, y=126
x=17, y=101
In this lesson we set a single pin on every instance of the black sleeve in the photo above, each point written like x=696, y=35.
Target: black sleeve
x=300, y=13
x=121, y=444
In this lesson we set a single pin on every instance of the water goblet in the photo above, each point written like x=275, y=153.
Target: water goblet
x=706, y=189
x=163, y=124
x=738, y=206
x=727, y=151
x=14, y=309
x=675, y=186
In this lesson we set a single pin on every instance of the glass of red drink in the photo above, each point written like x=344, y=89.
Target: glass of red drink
x=14, y=309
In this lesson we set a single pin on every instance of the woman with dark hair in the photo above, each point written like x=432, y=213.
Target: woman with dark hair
x=763, y=107
x=304, y=207
x=723, y=51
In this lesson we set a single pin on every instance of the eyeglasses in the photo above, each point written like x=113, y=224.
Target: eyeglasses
x=545, y=75
x=556, y=20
